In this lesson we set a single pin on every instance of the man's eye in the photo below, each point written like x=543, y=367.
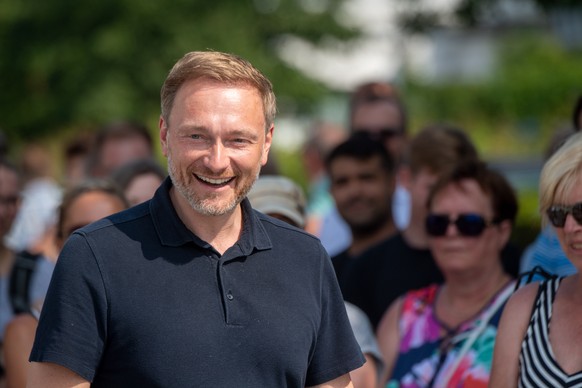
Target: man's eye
x=239, y=141
x=367, y=177
x=196, y=137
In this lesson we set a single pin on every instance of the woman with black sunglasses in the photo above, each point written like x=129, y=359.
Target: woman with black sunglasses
x=540, y=334
x=443, y=335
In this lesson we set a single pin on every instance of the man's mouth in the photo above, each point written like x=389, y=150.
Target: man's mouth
x=214, y=181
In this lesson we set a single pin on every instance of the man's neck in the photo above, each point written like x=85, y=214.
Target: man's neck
x=362, y=243
x=221, y=232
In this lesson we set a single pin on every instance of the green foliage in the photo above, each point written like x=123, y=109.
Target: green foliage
x=291, y=165
x=67, y=64
x=516, y=111
x=514, y=114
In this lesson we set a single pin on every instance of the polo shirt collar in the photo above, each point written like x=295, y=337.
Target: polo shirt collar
x=172, y=231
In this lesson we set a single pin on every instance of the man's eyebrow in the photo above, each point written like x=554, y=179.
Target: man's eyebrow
x=247, y=132
x=193, y=127
x=244, y=132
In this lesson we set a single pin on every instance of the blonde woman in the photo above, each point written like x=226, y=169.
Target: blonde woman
x=540, y=334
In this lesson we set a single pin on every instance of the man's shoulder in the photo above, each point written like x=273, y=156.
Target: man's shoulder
x=342, y=256
x=394, y=251
x=390, y=244
x=278, y=227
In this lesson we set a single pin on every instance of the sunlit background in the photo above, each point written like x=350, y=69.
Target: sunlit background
x=508, y=71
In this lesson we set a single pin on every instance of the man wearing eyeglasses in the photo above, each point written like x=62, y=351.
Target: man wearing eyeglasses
x=376, y=109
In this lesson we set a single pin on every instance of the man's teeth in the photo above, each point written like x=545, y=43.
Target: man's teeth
x=213, y=181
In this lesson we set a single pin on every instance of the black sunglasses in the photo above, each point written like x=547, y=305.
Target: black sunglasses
x=469, y=224
x=381, y=134
x=557, y=214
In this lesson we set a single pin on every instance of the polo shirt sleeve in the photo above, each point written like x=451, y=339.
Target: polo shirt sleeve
x=72, y=326
x=336, y=350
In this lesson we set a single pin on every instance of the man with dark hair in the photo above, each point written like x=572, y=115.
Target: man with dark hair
x=362, y=184
x=194, y=288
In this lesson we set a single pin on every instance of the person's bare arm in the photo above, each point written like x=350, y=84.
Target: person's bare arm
x=512, y=328
x=49, y=375
x=341, y=382
x=389, y=338
x=366, y=376
x=18, y=340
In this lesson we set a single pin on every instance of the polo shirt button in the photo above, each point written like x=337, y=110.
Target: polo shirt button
x=229, y=296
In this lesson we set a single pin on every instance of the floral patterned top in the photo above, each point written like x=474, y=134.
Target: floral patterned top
x=427, y=358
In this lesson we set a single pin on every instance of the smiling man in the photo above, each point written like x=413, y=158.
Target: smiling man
x=194, y=287
x=362, y=176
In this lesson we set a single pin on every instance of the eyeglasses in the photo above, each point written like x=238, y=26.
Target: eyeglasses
x=557, y=214
x=379, y=134
x=470, y=224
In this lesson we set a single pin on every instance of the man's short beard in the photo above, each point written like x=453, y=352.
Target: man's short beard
x=205, y=206
x=370, y=227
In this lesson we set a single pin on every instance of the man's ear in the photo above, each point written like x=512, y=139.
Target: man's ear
x=163, y=135
x=267, y=145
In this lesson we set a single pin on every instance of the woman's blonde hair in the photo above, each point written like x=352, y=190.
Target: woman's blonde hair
x=560, y=174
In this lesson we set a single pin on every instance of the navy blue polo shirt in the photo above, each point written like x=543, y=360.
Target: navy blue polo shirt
x=137, y=299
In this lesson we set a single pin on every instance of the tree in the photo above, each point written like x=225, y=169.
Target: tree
x=67, y=64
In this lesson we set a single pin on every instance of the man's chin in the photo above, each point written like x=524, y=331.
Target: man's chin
x=212, y=208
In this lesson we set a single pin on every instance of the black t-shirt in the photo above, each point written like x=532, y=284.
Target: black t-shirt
x=386, y=271
x=138, y=300
x=343, y=265
x=347, y=270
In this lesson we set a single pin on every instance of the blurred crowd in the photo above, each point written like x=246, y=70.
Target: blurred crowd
x=418, y=229
x=103, y=174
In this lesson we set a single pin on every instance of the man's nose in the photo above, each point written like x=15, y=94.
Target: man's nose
x=217, y=158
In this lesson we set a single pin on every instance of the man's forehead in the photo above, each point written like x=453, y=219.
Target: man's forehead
x=347, y=162
x=376, y=114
